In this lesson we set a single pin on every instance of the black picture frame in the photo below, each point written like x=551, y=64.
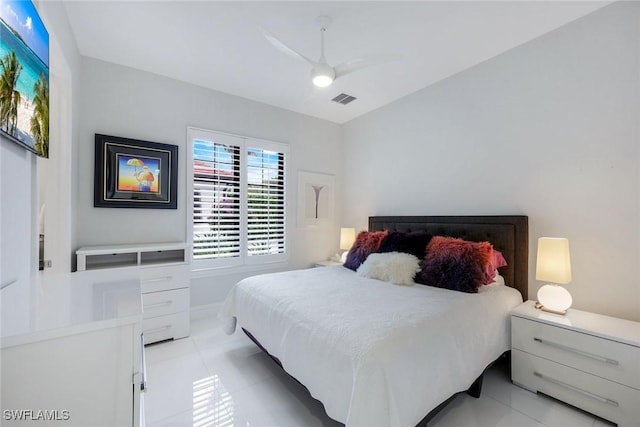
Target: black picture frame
x=131, y=173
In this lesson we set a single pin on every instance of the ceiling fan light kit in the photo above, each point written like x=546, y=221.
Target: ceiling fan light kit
x=322, y=75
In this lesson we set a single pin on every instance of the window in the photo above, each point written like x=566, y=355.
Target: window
x=238, y=200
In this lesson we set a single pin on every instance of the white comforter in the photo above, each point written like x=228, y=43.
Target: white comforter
x=374, y=353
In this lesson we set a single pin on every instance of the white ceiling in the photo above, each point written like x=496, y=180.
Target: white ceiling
x=219, y=45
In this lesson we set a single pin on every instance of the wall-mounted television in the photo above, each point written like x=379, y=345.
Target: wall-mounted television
x=24, y=76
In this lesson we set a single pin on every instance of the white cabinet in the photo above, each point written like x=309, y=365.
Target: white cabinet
x=117, y=256
x=166, y=301
x=165, y=277
x=585, y=359
x=80, y=361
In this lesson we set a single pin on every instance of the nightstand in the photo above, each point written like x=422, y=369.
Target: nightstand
x=327, y=263
x=588, y=360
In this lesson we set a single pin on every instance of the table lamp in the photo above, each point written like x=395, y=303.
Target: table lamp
x=553, y=265
x=347, y=237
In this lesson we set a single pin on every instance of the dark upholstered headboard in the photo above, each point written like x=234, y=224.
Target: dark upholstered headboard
x=509, y=234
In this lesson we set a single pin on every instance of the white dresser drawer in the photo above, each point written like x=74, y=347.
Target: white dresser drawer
x=165, y=327
x=156, y=304
x=607, y=399
x=162, y=278
x=602, y=357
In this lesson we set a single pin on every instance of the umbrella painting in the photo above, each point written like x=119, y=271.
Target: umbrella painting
x=138, y=174
x=131, y=173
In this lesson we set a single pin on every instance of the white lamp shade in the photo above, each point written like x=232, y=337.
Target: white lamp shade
x=553, y=261
x=347, y=237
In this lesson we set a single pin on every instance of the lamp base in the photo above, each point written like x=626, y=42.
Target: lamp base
x=554, y=299
x=543, y=308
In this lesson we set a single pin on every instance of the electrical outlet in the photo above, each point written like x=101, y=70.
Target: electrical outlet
x=47, y=263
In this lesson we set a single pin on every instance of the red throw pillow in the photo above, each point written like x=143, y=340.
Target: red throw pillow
x=455, y=264
x=366, y=242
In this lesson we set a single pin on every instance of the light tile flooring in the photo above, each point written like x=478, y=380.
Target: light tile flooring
x=212, y=379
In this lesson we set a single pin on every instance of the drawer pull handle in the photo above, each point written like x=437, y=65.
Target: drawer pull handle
x=575, y=350
x=159, y=304
x=143, y=382
x=576, y=389
x=157, y=279
x=155, y=330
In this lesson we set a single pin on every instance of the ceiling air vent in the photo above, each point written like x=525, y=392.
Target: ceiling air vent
x=344, y=99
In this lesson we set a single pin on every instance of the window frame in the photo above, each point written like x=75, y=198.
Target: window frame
x=243, y=261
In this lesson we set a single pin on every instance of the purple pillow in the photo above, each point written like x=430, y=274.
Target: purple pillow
x=409, y=243
x=366, y=242
x=455, y=264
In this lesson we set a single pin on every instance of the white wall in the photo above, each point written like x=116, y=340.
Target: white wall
x=20, y=170
x=57, y=189
x=121, y=101
x=18, y=257
x=549, y=129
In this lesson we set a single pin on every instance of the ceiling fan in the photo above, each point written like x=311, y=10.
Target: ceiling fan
x=322, y=74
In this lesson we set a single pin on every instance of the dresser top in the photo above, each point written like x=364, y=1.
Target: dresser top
x=50, y=306
x=612, y=328
x=139, y=247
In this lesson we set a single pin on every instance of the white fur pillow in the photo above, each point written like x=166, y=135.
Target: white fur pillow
x=395, y=267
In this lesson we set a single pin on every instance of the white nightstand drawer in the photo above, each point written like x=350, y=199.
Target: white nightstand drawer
x=165, y=327
x=153, y=279
x=165, y=302
x=598, y=356
x=604, y=398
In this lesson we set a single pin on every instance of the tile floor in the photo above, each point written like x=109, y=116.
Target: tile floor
x=214, y=380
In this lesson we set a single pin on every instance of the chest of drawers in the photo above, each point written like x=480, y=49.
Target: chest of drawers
x=587, y=360
x=165, y=301
x=164, y=273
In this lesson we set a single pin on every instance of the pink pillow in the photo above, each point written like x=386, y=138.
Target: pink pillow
x=496, y=260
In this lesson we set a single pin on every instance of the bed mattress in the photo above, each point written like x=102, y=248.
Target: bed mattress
x=374, y=353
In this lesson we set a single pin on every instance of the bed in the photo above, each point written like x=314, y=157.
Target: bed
x=378, y=354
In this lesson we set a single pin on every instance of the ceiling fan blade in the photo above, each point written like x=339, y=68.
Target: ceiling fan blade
x=278, y=44
x=360, y=63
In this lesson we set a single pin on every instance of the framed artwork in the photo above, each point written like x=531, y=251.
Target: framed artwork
x=316, y=192
x=24, y=76
x=130, y=173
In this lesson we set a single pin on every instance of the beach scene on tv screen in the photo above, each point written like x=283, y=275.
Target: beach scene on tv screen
x=24, y=75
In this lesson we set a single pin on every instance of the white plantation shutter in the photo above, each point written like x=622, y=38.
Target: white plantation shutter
x=238, y=200
x=265, y=202
x=216, y=200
